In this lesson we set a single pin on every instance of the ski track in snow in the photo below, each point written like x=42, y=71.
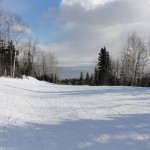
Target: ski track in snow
x=37, y=115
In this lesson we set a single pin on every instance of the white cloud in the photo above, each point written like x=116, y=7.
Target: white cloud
x=106, y=24
x=87, y=4
x=23, y=29
x=60, y=50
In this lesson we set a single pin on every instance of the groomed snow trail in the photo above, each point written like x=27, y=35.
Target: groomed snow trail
x=36, y=115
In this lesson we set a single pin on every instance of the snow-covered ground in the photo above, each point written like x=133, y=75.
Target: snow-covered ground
x=37, y=115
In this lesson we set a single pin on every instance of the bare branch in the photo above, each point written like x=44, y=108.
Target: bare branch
x=134, y=58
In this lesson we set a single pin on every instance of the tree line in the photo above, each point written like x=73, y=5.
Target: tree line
x=25, y=57
x=131, y=68
x=29, y=60
x=19, y=58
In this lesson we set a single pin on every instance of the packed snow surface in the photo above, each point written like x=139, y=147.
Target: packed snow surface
x=36, y=115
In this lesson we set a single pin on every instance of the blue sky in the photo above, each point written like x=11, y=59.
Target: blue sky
x=33, y=14
x=77, y=29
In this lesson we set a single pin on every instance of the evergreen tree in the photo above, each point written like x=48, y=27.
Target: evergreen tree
x=10, y=56
x=2, y=52
x=95, y=76
x=7, y=58
x=87, y=79
x=91, y=82
x=55, y=79
x=104, y=67
x=81, y=80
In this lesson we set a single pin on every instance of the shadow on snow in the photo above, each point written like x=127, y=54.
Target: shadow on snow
x=95, y=90
x=128, y=132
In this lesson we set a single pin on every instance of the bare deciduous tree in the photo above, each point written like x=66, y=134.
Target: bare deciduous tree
x=134, y=58
x=49, y=63
x=115, y=68
x=29, y=51
x=11, y=27
x=38, y=62
x=11, y=30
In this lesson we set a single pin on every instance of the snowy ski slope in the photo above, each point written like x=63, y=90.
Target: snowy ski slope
x=37, y=115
